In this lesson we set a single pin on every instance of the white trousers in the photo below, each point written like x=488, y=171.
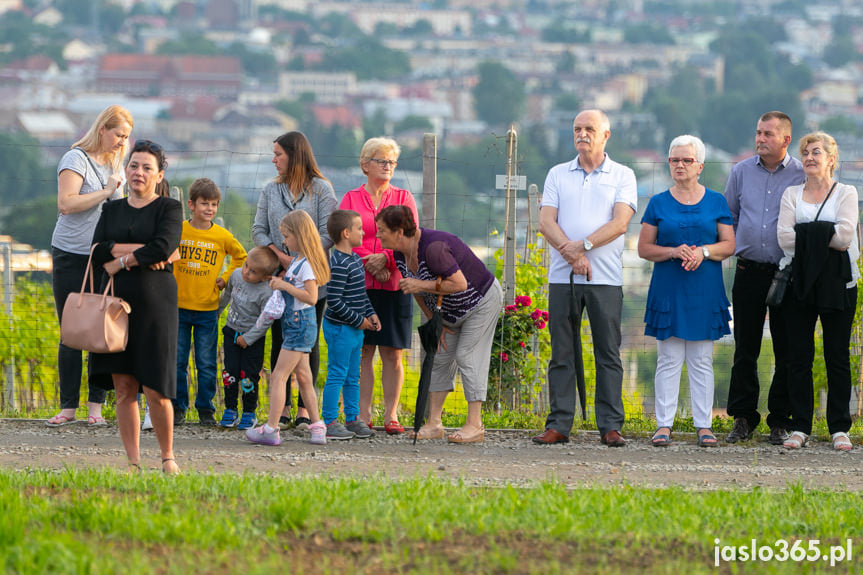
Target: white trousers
x=671, y=353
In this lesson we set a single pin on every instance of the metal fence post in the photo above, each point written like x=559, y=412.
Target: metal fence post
x=429, y=200
x=8, y=298
x=509, y=229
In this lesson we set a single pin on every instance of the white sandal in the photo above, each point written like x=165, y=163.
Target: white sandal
x=796, y=440
x=841, y=441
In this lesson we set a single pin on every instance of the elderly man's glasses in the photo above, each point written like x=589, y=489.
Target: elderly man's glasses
x=382, y=163
x=684, y=161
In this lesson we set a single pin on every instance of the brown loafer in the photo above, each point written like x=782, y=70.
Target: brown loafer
x=613, y=439
x=549, y=437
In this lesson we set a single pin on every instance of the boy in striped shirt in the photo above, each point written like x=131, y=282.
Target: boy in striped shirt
x=349, y=312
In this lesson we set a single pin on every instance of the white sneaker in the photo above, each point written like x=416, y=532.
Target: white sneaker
x=147, y=425
x=319, y=433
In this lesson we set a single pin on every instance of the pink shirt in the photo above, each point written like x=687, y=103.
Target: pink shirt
x=361, y=202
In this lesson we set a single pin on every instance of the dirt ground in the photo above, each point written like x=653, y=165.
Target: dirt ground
x=505, y=458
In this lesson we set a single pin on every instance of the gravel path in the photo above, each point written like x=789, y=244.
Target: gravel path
x=505, y=458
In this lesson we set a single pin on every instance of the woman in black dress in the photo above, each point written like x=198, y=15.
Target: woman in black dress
x=135, y=239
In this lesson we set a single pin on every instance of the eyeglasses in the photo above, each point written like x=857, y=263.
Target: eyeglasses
x=684, y=161
x=382, y=163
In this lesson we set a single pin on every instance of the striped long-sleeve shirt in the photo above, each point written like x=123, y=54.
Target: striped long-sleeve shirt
x=347, y=302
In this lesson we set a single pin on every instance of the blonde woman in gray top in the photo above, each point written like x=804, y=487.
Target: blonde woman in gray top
x=818, y=228
x=88, y=175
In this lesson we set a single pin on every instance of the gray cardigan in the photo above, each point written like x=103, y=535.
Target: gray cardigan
x=276, y=200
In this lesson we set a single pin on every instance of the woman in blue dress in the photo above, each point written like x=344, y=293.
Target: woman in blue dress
x=687, y=232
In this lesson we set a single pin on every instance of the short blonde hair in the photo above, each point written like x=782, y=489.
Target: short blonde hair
x=110, y=118
x=264, y=260
x=825, y=140
x=375, y=145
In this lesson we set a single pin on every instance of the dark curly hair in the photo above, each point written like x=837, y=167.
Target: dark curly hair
x=398, y=218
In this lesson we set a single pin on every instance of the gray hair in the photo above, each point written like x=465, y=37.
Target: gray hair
x=604, y=123
x=687, y=140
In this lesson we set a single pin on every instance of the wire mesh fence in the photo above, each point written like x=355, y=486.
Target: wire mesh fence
x=468, y=205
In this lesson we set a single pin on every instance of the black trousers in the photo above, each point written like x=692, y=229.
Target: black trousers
x=314, y=356
x=67, y=277
x=749, y=291
x=836, y=328
x=241, y=363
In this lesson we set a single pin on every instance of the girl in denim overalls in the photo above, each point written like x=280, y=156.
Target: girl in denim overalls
x=308, y=270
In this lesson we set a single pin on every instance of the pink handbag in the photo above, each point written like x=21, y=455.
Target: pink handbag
x=95, y=322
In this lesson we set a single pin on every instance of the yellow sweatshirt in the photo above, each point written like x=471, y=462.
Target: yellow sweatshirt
x=202, y=255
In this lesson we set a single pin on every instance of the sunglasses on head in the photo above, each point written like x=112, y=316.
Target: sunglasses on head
x=152, y=148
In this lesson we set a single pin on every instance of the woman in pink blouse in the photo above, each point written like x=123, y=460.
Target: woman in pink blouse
x=378, y=160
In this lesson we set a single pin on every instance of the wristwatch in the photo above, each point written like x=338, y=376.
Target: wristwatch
x=587, y=245
x=705, y=252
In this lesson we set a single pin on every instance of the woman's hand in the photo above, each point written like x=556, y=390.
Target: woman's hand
x=382, y=276
x=113, y=267
x=114, y=182
x=442, y=343
x=691, y=257
x=412, y=285
x=284, y=259
x=376, y=263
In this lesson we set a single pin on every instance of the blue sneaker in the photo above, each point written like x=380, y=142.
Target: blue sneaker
x=229, y=418
x=248, y=421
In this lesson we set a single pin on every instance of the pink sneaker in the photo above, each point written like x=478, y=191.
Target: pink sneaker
x=319, y=433
x=259, y=435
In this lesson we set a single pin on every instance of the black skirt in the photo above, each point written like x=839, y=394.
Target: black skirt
x=395, y=310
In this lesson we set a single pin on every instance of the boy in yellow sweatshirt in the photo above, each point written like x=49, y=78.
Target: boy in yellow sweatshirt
x=199, y=275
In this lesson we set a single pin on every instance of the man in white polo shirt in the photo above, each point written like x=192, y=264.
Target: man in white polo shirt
x=586, y=207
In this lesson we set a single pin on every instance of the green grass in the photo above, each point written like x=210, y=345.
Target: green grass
x=103, y=521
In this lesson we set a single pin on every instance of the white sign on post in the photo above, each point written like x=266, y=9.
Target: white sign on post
x=515, y=182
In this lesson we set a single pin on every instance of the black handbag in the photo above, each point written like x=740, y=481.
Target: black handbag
x=779, y=286
x=781, y=279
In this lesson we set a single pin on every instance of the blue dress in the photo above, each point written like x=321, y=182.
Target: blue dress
x=690, y=305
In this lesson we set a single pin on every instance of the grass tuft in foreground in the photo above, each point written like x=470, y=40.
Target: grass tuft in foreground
x=104, y=521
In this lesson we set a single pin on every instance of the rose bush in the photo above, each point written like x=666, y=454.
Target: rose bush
x=517, y=338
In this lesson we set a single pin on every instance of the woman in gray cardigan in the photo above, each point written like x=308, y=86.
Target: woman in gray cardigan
x=299, y=185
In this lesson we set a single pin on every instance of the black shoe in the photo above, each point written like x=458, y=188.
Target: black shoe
x=179, y=417
x=778, y=435
x=740, y=432
x=207, y=418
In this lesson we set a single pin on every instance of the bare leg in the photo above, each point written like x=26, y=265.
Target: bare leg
x=367, y=382
x=392, y=377
x=284, y=366
x=303, y=375
x=474, y=418
x=436, y=401
x=94, y=409
x=162, y=416
x=128, y=418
